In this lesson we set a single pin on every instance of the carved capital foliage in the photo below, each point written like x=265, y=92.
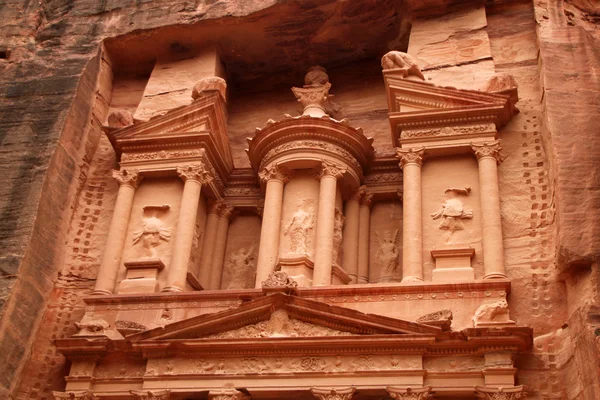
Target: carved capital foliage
x=359, y=194
x=410, y=156
x=510, y=393
x=315, y=96
x=195, y=172
x=74, y=395
x=226, y=211
x=215, y=206
x=275, y=171
x=367, y=200
x=227, y=394
x=126, y=176
x=151, y=394
x=331, y=169
x=409, y=393
x=488, y=150
x=334, y=393
x=279, y=279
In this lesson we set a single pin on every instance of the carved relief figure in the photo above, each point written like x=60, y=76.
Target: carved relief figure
x=299, y=228
x=337, y=234
x=496, y=312
x=153, y=231
x=453, y=211
x=241, y=269
x=387, y=255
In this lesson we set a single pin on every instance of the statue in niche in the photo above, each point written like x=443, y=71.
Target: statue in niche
x=337, y=234
x=241, y=269
x=153, y=232
x=387, y=255
x=453, y=211
x=299, y=228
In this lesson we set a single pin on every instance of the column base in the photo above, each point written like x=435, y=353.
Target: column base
x=299, y=267
x=495, y=275
x=172, y=289
x=362, y=280
x=100, y=292
x=453, y=264
x=411, y=279
x=141, y=276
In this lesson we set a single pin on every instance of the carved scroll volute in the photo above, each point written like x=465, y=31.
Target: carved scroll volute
x=227, y=394
x=74, y=395
x=333, y=393
x=488, y=150
x=409, y=393
x=195, y=172
x=503, y=393
x=127, y=177
x=151, y=394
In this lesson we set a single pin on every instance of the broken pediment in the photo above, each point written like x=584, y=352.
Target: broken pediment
x=432, y=111
x=281, y=315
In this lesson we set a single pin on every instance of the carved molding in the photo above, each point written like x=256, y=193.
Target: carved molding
x=503, y=393
x=333, y=393
x=488, y=150
x=423, y=393
x=227, y=394
x=195, y=172
x=128, y=177
x=447, y=131
x=162, y=155
x=276, y=172
x=410, y=156
x=74, y=395
x=151, y=394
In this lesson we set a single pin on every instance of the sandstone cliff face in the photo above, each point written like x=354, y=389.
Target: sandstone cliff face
x=55, y=92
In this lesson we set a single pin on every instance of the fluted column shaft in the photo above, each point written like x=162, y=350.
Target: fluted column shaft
x=208, y=247
x=329, y=175
x=107, y=274
x=364, y=240
x=194, y=177
x=411, y=161
x=351, y=235
x=268, y=251
x=488, y=156
x=220, y=246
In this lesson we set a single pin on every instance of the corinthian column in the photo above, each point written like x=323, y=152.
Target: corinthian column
x=151, y=394
x=502, y=393
x=107, y=274
x=364, y=238
x=489, y=157
x=275, y=177
x=227, y=394
x=351, y=234
x=420, y=393
x=210, y=237
x=194, y=177
x=225, y=213
x=328, y=176
x=333, y=393
x=411, y=161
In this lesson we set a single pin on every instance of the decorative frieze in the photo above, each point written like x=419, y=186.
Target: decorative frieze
x=162, y=155
x=447, y=131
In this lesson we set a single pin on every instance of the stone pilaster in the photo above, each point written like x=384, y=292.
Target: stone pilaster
x=151, y=394
x=328, y=177
x=409, y=393
x=333, y=393
x=275, y=178
x=225, y=214
x=411, y=161
x=364, y=237
x=128, y=180
x=208, y=246
x=194, y=177
x=351, y=234
x=488, y=156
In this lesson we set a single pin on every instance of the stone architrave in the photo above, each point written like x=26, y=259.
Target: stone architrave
x=194, y=177
x=333, y=393
x=275, y=178
x=227, y=394
x=128, y=180
x=502, y=393
x=328, y=176
x=151, y=394
x=411, y=161
x=488, y=156
x=409, y=393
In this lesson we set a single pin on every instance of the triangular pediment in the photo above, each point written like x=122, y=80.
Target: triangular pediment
x=280, y=315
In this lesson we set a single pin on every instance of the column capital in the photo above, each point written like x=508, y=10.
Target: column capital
x=274, y=172
x=226, y=211
x=502, y=393
x=215, y=206
x=151, y=394
x=421, y=393
x=331, y=169
x=333, y=393
x=358, y=195
x=367, y=200
x=74, y=395
x=227, y=394
x=491, y=150
x=127, y=177
x=410, y=156
x=195, y=172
